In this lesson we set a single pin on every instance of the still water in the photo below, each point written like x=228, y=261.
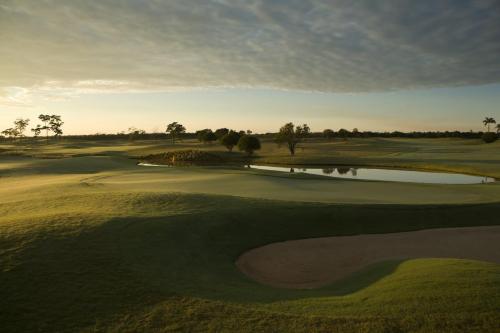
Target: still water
x=393, y=175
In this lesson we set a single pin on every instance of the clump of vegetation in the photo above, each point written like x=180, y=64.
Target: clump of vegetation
x=490, y=137
x=184, y=157
x=291, y=135
x=206, y=136
x=175, y=130
x=249, y=144
x=230, y=140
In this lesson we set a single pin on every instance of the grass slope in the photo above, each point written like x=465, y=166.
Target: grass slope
x=87, y=244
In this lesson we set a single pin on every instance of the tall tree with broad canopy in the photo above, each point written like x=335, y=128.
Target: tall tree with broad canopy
x=230, y=140
x=51, y=123
x=55, y=124
x=175, y=130
x=249, y=144
x=292, y=136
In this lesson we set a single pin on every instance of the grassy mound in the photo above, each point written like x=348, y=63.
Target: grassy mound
x=184, y=157
x=121, y=261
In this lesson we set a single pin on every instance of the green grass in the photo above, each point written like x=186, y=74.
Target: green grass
x=98, y=244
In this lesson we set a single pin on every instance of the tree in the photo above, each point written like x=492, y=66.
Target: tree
x=18, y=130
x=488, y=121
x=291, y=135
x=328, y=133
x=45, y=119
x=249, y=144
x=206, y=136
x=10, y=133
x=50, y=123
x=355, y=132
x=134, y=133
x=20, y=126
x=55, y=124
x=219, y=133
x=498, y=128
x=175, y=130
x=209, y=137
x=343, y=133
x=230, y=140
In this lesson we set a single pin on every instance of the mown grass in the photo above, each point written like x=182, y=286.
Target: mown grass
x=92, y=244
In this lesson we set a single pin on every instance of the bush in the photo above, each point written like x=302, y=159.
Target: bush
x=249, y=144
x=490, y=137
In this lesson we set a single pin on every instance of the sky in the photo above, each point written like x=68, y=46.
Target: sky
x=251, y=64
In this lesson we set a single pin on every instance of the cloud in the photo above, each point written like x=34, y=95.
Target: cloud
x=69, y=47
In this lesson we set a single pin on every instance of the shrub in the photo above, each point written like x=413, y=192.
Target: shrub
x=249, y=144
x=490, y=137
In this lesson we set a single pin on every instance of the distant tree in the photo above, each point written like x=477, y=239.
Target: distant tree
x=343, y=133
x=328, y=133
x=219, y=133
x=498, y=128
x=18, y=130
x=230, y=140
x=175, y=130
x=249, y=144
x=45, y=119
x=200, y=135
x=206, y=136
x=135, y=133
x=291, y=135
x=55, y=125
x=51, y=123
x=20, y=126
x=37, y=130
x=488, y=121
x=355, y=132
x=10, y=133
x=209, y=137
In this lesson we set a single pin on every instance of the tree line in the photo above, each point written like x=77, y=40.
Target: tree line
x=50, y=123
x=288, y=135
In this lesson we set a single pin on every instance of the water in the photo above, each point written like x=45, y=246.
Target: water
x=391, y=175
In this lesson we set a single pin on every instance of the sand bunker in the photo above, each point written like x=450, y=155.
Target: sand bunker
x=312, y=263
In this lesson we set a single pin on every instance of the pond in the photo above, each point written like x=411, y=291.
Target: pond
x=392, y=175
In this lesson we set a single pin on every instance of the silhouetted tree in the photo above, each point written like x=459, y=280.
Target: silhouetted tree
x=219, y=133
x=343, y=133
x=328, y=133
x=175, y=130
x=135, y=133
x=18, y=130
x=291, y=135
x=206, y=136
x=230, y=140
x=488, y=121
x=55, y=125
x=249, y=144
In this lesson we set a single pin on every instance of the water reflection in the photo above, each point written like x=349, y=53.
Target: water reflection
x=384, y=174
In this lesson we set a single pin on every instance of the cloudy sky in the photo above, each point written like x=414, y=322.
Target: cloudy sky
x=375, y=64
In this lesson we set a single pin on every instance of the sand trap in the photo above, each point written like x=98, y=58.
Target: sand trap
x=312, y=263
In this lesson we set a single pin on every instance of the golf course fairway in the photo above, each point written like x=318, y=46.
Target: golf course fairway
x=91, y=242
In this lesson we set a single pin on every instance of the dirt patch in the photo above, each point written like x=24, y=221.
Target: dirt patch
x=312, y=263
